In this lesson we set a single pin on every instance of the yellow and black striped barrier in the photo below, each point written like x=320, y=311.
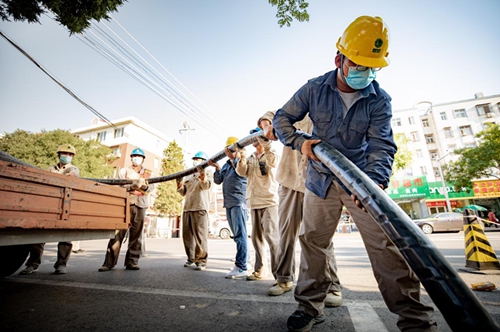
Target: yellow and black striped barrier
x=479, y=254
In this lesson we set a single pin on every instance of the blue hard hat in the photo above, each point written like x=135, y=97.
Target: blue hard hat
x=200, y=155
x=255, y=130
x=138, y=152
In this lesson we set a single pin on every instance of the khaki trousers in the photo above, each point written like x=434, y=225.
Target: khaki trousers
x=290, y=212
x=36, y=253
x=265, y=227
x=137, y=216
x=398, y=285
x=195, y=236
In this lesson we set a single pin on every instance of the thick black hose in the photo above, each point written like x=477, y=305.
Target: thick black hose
x=220, y=155
x=460, y=307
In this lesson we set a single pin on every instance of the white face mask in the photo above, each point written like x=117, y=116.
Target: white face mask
x=137, y=161
x=196, y=163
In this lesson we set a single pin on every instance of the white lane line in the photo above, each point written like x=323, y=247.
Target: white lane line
x=364, y=318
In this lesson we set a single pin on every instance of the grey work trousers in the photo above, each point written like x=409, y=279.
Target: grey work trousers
x=290, y=212
x=137, y=216
x=36, y=253
x=398, y=285
x=265, y=227
x=195, y=236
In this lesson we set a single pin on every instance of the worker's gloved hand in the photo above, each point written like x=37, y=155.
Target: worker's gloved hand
x=179, y=180
x=144, y=184
x=139, y=184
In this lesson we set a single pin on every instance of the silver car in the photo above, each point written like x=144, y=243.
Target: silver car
x=441, y=222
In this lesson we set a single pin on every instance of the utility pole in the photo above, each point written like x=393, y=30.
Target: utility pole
x=186, y=129
x=443, y=182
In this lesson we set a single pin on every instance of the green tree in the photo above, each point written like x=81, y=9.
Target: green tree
x=289, y=10
x=479, y=162
x=404, y=156
x=39, y=150
x=168, y=201
x=74, y=15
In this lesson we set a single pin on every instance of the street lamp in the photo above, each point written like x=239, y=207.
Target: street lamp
x=443, y=182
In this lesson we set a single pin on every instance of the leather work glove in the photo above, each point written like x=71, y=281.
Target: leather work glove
x=139, y=184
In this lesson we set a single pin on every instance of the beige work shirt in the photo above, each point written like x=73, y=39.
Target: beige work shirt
x=130, y=173
x=196, y=192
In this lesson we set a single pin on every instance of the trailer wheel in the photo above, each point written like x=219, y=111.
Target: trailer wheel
x=13, y=258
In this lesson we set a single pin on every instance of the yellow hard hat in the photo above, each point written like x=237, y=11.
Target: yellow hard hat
x=231, y=140
x=366, y=42
x=67, y=148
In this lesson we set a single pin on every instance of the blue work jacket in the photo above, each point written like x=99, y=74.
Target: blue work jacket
x=364, y=136
x=234, y=187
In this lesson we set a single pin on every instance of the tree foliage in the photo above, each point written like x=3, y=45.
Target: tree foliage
x=289, y=10
x=404, y=156
x=479, y=162
x=40, y=150
x=168, y=201
x=74, y=15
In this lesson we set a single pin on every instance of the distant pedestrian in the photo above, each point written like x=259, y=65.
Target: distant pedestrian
x=139, y=203
x=262, y=198
x=196, y=190
x=65, y=154
x=234, y=188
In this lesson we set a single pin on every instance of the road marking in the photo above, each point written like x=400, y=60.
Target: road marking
x=364, y=318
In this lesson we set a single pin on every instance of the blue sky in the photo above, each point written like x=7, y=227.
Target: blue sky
x=239, y=63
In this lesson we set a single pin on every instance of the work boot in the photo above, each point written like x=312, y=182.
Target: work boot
x=188, y=264
x=201, y=267
x=254, y=276
x=280, y=288
x=302, y=321
x=104, y=268
x=132, y=266
x=333, y=299
x=29, y=270
x=60, y=269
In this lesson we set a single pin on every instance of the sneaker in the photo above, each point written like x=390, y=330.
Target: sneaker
x=280, y=288
x=79, y=251
x=201, y=267
x=188, y=264
x=333, y=299
x=236, y=272
x=104, y=268
x=29, y=270
x=133, y=267
x=302, y=321
x=60, y=269
x=254, y=276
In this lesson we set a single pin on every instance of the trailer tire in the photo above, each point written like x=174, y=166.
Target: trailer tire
x=13, y=258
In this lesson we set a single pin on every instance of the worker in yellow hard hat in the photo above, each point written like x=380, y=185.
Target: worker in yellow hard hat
x=352, y=113
x=234, y=188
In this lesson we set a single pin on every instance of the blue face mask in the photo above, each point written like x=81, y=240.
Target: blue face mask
x=359, y=80
x=65, y=159
x=136, y=161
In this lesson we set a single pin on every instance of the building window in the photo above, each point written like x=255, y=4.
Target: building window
x=425, y=122
x=411, y=120
x=434, y=155
x=429, y=138
x=414, y=136
x=436, y=172
x=420, y=154
x=451, y=147
x=117, y=151
x=484, y=110
x=443, y=116
x=461, y=113
x=396, y=122
x=448, y=133
x=465, y=130
x=157, y=163
x=423, y=170
x=101, y=136
x=119, y=132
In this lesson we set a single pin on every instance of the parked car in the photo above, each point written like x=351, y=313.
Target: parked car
x=219, y=227
x=441, y=222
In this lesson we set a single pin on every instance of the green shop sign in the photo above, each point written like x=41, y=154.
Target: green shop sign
x=408, y=187
x=436, y=191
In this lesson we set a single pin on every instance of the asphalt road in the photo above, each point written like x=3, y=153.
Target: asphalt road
x=165, y=296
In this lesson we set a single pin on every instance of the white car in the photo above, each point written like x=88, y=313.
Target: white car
x=219, y=227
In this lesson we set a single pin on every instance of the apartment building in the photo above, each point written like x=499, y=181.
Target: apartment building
x=434, y=131
x=125, y=135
